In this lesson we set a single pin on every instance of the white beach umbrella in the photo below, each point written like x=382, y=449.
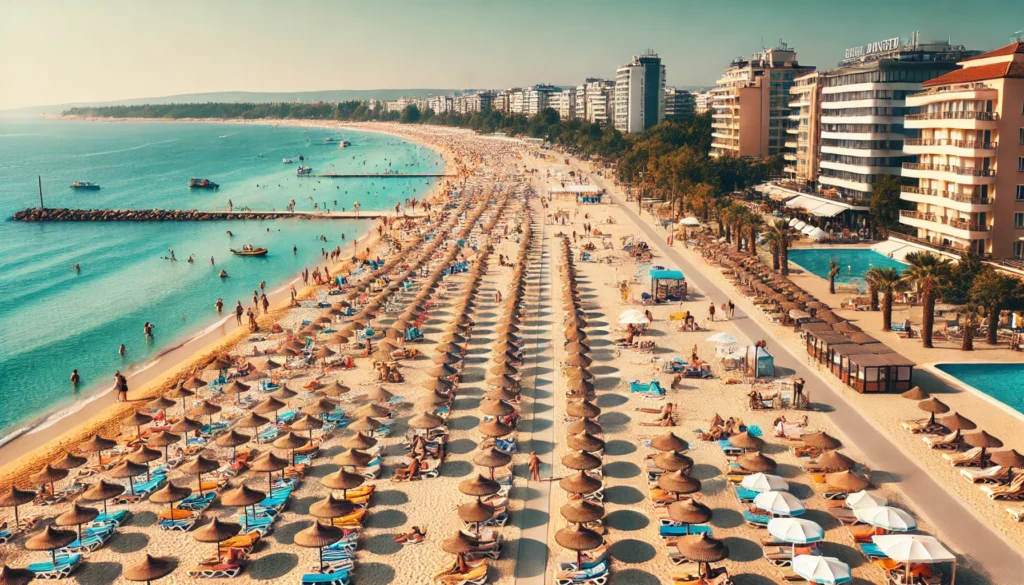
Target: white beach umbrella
x=779, y=503
x=886, y=517
x=799, y=225
x=864, y=499
x=764, y=482
x=721, y=338
x=808, y=229
x=825, y=570
x=913, y=548
x=690, y=221
x=793, y=221
x=817, y=234
x=633, y=317
x=795, y=530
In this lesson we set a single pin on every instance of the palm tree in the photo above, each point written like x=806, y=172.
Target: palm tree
x=970, y=320
x=833, y=272
x=927, y=271
x=872, y=287
x=780, y=238
x=994, y=291
x=754, y=224
x=888, y=282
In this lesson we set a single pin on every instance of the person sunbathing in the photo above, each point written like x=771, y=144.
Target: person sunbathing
x=663, y=420
x=411, y=471
x=667, y=409
x=416, y=536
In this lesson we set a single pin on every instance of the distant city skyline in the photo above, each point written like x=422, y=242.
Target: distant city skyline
x=58, y=52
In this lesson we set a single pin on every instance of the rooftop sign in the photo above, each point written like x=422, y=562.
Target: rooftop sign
x=883, y=46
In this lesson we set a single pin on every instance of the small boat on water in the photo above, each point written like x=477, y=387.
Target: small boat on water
x=248, y=250
x=195, y=183
x=287, y=161
x=303, y=170
x=344, y=143
x=85, y=186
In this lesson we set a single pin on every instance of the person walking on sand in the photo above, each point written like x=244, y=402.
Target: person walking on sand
x=534, y=466
x=711, y=312
x=731, y=308
x=75, y=379
x=266, y=304
x=238, y=313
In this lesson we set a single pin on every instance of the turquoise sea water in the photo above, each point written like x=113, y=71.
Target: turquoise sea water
x=853, y=263
x=1000, y=381
x=54, y=319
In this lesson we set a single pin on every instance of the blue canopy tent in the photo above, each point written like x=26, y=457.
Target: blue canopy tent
x=667, y=285
x=760, y=363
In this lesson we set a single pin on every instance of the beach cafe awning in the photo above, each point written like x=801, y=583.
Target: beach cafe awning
x=828, y=210
x=666, y=274
x=575, y=189
x=819, y=207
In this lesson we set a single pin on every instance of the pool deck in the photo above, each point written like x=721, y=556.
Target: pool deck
x=954, y=382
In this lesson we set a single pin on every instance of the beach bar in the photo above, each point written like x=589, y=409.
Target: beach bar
x=585, y=193
x=667, y=285
x=880, y=372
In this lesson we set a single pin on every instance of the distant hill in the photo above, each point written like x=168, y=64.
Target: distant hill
x=252, y=97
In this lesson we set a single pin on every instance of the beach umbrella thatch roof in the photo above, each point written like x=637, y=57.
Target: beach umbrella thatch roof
x=150, y=568
x=669, y=442
x=12, y=576
x=268, y=463
x=582, y=511
x=353, y=458
x=342, y=480
x=581, y=460
x=199, y=465
x=582, y=408
x=475, y=511
x=821, y=440
x=76, y=516
x=102, y=490
x=702, y=548
x=494, y=428
x=96, y=444
x=479, y=486
x=933, y=405
x=331, y=507
x=578, y=538
x=689, y=511
x=496, y=408
x=169, y=494
x=673, y=461
x=232, y=438
x=847, y=481
x=585, y=442
x=584, y=425
x=678, y=482
x=50, y=538
x=216, y=531
x=580, y=483
x=915, y=393
x=68, y=461
x=492, y=457
x=745, y=440
x=359, y=441
x=319, y=535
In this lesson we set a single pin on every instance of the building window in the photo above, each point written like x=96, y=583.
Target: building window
x=1022, y=135
x=1018, y=220
x=1020, y=163
x=1020, y=192
x=1018, y=250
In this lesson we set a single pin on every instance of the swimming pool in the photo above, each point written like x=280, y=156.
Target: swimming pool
x=1000, y=381
x=854, y=263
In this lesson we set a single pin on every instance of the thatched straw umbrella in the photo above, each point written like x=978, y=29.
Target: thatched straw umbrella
x=163, y=439
x=290, y=442
x=703, y=549
x=669, y=442
x=673, y=461
x=678, y=482
x=581, y=461
x=746, y=441
x=933, y=406
x=51, y=539
x=847, y=481
x=216, y=532
x=242, y=497
x=269, y=463
x=835, y=461
x=76, y=516
x=127, y=469
x=143, y=456
x=494, y=429
x=11, y=576
x=13, y=497
x=359, y=441
x=821, y=440
x=579, y=539
x=496, y=408
x=582, y=409
x=97, y=445
x=982, y=440
x=580, y=483
x=319, y=536
x=169, y=494
x=342, y=480
x=364, y=424
x=584, y=425
x=100, y=492
x=232, y=439
x=915, y=393
x=479, y=486
x=585, y=442
x=756, y=462
x=149, y=569
x=198, y=467
x=353, y=458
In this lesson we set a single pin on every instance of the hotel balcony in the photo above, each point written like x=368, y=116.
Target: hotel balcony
x=947, y=146
x=954, y=120
x=950, y=173
x=789, y=156
x=962, y=203
x=951, y=93
x=790, y=144
x=789, y=169
x=951, y=248
x=956, y=228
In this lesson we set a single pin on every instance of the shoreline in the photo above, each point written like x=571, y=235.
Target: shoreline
x=28, y=446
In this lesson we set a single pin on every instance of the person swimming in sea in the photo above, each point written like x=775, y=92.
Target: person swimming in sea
x=121, y=350
x=230, y=234
x=77, y=268
x=191, y=258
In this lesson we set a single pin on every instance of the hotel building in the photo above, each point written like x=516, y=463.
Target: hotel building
x=863, y=104
x=750, y=106
x=563, y=102
x=970, y=158
x=702, y=102
x=802, y=131
x=595, y=101
x=640, y=94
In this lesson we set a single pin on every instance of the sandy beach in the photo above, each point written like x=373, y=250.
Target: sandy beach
x=489, y=211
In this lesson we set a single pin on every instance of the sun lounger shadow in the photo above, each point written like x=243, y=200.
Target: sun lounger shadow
x=271, y=566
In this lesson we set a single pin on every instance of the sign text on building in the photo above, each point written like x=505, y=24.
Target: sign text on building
x=883, y=46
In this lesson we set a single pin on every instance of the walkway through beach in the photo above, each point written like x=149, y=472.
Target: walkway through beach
x=533, y=547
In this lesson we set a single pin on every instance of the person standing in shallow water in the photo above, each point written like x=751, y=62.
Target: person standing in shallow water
x=75, y=379
x=238, y=313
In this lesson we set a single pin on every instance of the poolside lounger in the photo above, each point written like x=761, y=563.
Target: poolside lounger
x=969, y=457
x=1016, y=513
x=66, y=564
x=994, y=474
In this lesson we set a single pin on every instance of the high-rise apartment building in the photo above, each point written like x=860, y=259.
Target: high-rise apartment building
x=863, y=104
x=803, y=133
x=563, y=102
x=640, y=94
x=595, y=100
x=702, y=102
x=970, y=149
x=750, y=106
x=678, y=104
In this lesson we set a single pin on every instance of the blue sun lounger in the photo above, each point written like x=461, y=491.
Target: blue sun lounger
x=684, y=530
x=759, y=520
x=338, y=578
x=196, y=502
x=115, y=518
x=66, y=564
x=871, y=551
x=743, y=494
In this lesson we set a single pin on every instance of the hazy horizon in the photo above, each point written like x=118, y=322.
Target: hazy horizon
x=112, y=50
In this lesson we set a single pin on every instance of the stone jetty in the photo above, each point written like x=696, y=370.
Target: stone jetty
x=65, y=214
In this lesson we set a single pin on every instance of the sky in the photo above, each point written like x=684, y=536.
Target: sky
x=61, y=51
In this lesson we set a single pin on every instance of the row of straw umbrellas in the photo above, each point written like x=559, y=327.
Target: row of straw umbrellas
x=137, y=462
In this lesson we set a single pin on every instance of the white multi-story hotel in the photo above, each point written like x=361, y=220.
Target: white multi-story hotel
x=563, y=102
x=750, y=107
x=640, y=94
x=594, y=100
x=970, y=168
x=678, y=104
x=863, y=104
x=802, y=132
x=702, y=102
